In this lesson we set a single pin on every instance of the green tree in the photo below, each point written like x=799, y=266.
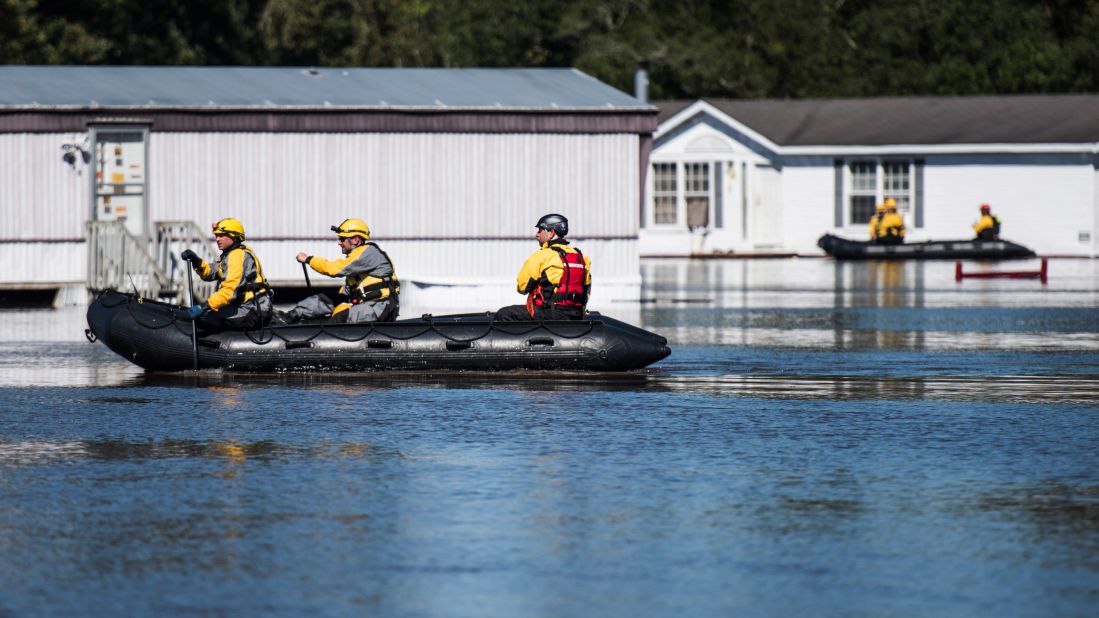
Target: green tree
x=692, y=48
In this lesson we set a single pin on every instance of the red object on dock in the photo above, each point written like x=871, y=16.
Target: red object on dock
x=1014, y=274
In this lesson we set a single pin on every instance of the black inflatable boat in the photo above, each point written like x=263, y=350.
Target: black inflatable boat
x=844, y=249
x=157, y=336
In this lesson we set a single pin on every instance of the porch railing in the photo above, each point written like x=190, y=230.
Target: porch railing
x=170, y=238
x=118, y=260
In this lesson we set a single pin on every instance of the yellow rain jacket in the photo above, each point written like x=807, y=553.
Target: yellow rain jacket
x=987, y=222
x=241, y=276
x=874, y=220
x=368, y=272
x=892, y=224
x=543, y=269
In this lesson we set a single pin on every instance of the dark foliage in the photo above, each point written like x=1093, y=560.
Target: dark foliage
x=692, y=48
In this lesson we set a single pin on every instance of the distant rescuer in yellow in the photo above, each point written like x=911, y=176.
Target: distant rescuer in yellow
x=556, y=278
x=875, y=219
x=988, y=226
x=891, y=226
x=370, y=286
x=243, y=298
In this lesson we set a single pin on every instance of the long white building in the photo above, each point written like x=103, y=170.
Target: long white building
x=449, y=167
x=767, y=177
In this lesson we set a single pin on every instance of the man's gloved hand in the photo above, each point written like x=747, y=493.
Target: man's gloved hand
x=195, y=311
x=191, y=257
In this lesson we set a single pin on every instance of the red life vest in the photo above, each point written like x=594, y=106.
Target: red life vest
x=570, y=292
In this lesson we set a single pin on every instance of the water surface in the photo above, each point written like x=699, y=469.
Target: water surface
x=865, y=439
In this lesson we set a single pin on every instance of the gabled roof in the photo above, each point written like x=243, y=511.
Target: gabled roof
x=43, y=88
x=1017, y=119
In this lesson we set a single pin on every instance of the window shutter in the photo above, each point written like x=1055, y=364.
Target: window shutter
x=719, y=192
x=918, y=217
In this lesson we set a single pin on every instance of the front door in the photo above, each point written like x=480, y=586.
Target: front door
x=120, y=178
x=767, y=208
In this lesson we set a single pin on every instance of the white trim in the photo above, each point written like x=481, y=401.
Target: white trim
x=702, y=106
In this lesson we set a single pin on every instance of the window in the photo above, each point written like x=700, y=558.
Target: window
x=696, y=193
x=664, y=194
x=874, y=181
x=682, y=189
x=897, y=184
x=863, y=191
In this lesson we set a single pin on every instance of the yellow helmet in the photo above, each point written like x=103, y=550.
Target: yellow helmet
x=352, y=227
x=890, y=203
x=880, y=207
x=228, y=227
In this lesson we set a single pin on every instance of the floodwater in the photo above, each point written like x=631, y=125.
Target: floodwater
x=826, y=439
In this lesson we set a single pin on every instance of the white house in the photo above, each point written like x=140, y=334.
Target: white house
x=451, y=168
x=771, y=177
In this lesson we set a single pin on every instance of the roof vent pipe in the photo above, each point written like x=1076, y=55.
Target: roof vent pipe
x=641, y=84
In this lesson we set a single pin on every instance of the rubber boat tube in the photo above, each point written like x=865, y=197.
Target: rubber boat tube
x=157, y=337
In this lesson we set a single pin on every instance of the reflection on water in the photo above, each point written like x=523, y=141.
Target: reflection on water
x=870, y=305
x=42, y=452
x=826, y=439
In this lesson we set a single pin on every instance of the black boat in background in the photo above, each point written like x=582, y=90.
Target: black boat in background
x=157, y=337
x=844, y=249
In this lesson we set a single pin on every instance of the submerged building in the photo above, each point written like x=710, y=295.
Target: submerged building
x=105, y=167
x=770, y=177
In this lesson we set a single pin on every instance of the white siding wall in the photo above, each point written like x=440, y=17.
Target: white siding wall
x=809, y=203
x=41, y=196
x=440, y=186
x=41, y=264
x=445, y=185
x=1045, y=201
x=1095, y=210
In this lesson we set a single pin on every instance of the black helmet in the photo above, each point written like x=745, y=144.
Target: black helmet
x=557, y=223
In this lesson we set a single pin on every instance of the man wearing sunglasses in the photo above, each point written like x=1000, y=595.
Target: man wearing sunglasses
x=370, y=289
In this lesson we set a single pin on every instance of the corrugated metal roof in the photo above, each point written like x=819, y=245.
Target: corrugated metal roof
x=1015, y=119
x=131, y=87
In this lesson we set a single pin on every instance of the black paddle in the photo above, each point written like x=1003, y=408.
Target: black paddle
x=305, y=271
x=194, y=330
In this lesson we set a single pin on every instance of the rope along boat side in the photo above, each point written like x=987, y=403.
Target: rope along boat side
x=157, y=337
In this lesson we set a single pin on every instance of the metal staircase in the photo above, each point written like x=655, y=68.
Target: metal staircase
x=118, y=260
x=172, y=237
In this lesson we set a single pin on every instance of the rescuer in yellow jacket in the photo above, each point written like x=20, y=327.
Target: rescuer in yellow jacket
x=243, y=298
x=988, y=226
x=370, y=289
x=875, y=220
x=891, y=226
x=556, y=278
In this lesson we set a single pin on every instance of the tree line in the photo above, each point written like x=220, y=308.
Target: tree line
x=691, y=48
